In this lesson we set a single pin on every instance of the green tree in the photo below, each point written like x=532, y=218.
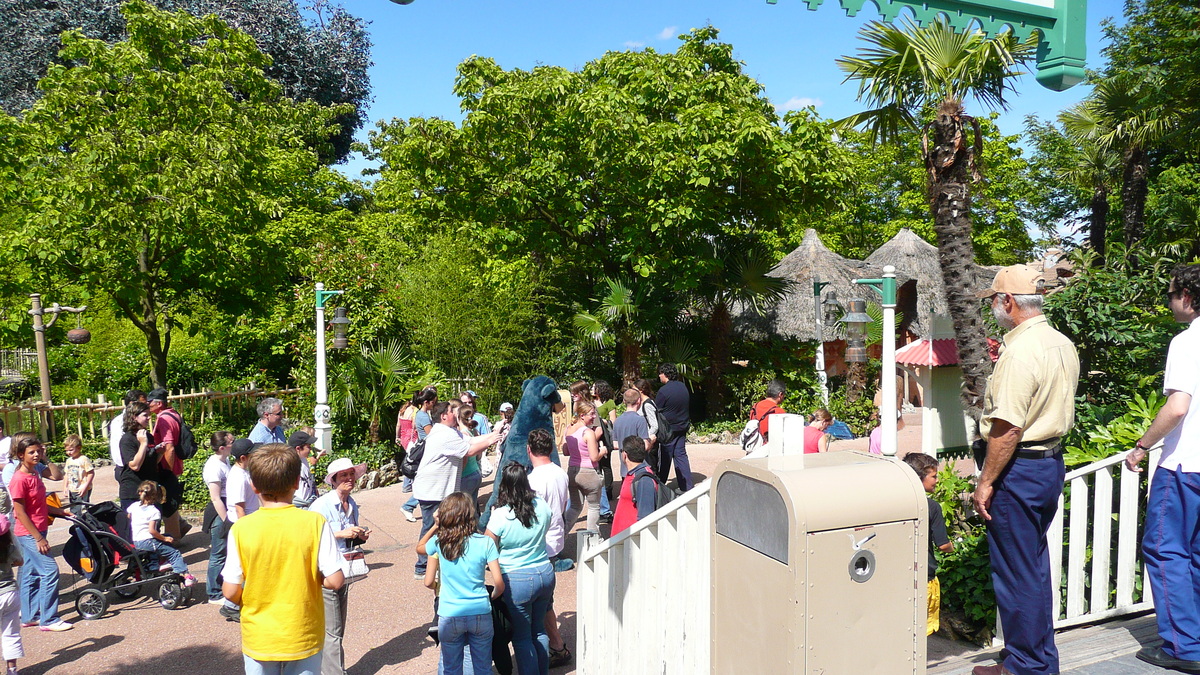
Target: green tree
x=323, y=58
x=918, y=77
x=164, y=172
x=626, y=169
x=377, y=380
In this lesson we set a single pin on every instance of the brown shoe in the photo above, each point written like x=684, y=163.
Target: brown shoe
x=997, y=669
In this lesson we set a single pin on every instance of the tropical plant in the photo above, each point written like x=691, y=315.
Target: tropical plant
x=620, y=317
x=378, y=379
x=1091, y=167
x=918, y=77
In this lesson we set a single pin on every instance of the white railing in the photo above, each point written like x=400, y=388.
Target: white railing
x=644, y=595
x=1089, y=520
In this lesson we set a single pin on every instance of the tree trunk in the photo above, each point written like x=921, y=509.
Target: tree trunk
x=1134, y=189
x=856, y=381
x=1098, y=225
x=720, y=330
x=373, y=431
x=631, y=360
x=949, y=162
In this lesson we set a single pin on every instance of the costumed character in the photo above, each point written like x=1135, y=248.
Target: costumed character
x=539, y=401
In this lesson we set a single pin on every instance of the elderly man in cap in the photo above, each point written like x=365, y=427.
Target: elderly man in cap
x=1027, y=409
x=302, y=442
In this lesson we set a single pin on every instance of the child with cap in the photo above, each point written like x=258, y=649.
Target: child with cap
x=279, y=559
x=240, y=501
x=303, y=441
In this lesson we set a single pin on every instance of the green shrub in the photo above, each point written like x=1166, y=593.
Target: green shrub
x=965, y=575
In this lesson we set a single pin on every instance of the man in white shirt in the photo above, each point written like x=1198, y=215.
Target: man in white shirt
x=1173, y=512
x=441, y=466
x=549, y=481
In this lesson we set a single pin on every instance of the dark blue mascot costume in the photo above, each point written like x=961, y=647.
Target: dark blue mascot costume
x=539, y=395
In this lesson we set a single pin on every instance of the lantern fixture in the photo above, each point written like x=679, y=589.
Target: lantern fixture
x=340, y=322
x=856, y=320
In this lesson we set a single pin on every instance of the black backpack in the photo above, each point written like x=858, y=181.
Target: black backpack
x=665, y=433
x=412, y=459
x=187, y=440
x=662, y=494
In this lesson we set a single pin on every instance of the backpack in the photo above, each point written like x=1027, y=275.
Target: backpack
x=662, y=494
x=665, y=433
x=187, y=440
x=412, y=459
x=751, y=436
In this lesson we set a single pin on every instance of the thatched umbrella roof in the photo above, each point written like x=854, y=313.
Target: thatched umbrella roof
x=917, y=259
x=794, y=315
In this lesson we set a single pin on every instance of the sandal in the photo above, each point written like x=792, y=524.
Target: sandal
x=559, y=657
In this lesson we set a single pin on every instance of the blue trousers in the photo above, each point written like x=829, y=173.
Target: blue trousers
x=1171, y=548
x=527, y=595
x=216, y=557
x=162, y=551
x=456, y=633
x=427, y=509
x=1023, y=506
x=38, y=583
x=675, y=450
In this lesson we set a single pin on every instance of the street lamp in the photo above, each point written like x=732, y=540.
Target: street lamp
x=886, y=287
x=76, y=336
x=823, y=310
x=321, y=413
x=856, y=321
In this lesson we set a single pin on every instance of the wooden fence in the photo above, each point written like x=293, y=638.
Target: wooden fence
x=90, y=418
x=13, y=362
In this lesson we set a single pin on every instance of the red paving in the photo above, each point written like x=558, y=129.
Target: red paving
x=388, y=617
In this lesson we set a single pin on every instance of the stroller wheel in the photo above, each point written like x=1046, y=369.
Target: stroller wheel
x=91, y=603
x=170, y=595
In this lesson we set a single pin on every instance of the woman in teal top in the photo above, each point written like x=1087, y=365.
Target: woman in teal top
x=518, y=526
x=464, y=608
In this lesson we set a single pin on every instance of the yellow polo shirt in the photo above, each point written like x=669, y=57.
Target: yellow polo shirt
x=1033, y=384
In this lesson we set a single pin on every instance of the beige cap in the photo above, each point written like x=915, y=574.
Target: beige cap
x=1016, y=280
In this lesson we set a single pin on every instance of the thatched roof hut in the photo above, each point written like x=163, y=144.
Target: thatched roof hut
x=922, y=295
x=794, y=316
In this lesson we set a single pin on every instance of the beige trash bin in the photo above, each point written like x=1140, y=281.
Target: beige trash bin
x=818, y=566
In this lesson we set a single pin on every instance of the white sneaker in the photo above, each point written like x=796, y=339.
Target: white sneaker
x=57, y=627
x=409, y=516
x=217, y=601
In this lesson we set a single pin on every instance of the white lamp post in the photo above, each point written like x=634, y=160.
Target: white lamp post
x=322, y=413
x=887, y=288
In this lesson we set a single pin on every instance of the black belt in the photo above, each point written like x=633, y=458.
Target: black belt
x=1054, y=449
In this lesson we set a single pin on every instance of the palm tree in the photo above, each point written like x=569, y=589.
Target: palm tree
x=1092, y=168
x=741, y=279
x=620, y=317
x=910, y=74
x=378, y=379
x=1119, y=116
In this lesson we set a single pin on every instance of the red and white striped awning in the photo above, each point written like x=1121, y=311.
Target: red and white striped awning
x=939, y=352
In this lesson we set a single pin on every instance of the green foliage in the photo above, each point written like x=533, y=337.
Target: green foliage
x=1098, y=438
x=162, y=213
x=966, y=578
x=377, y=380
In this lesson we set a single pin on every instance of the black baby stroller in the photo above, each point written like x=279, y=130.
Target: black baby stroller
x=97, y=553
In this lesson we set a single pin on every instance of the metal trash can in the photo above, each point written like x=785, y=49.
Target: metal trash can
x=818, y=566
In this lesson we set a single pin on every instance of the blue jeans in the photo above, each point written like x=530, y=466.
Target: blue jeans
x=605, y=507
x=308, y=666
x=1171, y=546
x=1023, y=507
x=427, y=509
x=527, y=594
x=411, y=504
x=675, y=450
x=39, y=584
x=455, y=632
x=216, y=557
x=470, y=485
x=166, y=551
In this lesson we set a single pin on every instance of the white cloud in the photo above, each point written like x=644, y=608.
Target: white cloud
x=668, y=32
x=798, y=102
x=633, y=44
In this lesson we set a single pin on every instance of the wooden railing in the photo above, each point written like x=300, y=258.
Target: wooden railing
x=90, y=418
x=1111, y=581
x=15, y=361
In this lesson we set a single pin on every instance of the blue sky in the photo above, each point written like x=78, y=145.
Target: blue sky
x=788, y=49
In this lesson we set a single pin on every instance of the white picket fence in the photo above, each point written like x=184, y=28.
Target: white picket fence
x=1089, y=520
x=644, y=595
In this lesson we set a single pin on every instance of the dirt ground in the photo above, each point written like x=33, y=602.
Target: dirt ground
x=388, y=617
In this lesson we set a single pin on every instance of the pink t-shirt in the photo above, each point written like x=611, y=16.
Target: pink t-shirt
x=30, y=489
x=577, y=448
x=876, y=446
x=166, y=430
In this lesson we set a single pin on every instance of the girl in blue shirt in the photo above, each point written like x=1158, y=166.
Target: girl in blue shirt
x=464, y=608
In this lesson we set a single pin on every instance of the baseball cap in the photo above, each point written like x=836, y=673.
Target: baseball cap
x=242, y=447
x=1016, y=280
x=505, y=407
x=471, y=394
x=299, y=438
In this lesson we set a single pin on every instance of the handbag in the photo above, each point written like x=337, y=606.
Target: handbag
x=354, y=565
x=5, y=502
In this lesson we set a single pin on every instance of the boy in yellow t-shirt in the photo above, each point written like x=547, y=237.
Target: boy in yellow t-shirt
x=278, y=559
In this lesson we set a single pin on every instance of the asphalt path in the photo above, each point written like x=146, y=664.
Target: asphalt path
x=389, y=612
